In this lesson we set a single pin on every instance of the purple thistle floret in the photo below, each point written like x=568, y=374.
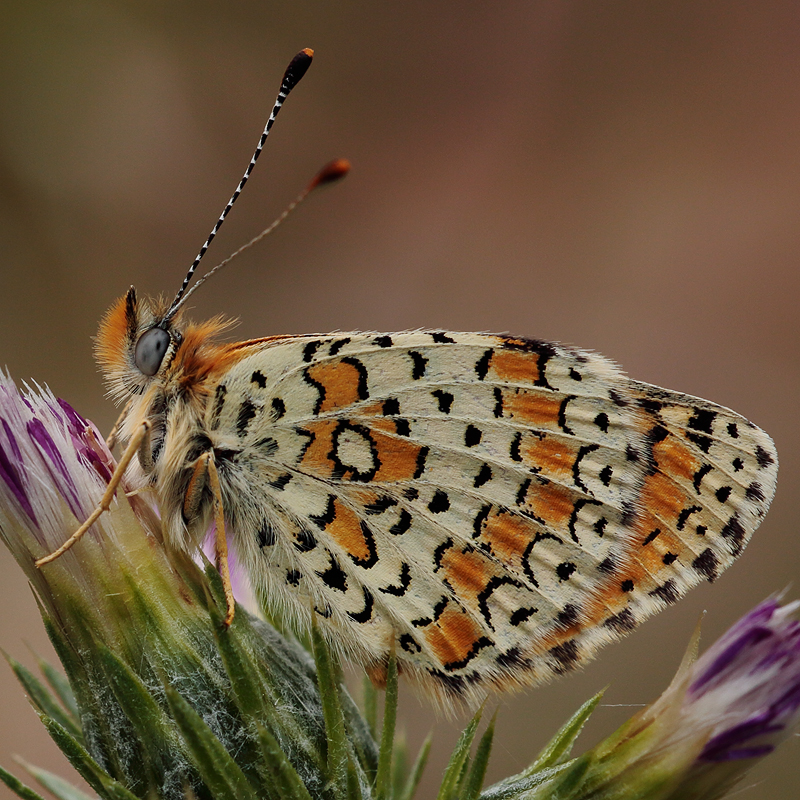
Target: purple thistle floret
x=750, y=680
x=49, y=455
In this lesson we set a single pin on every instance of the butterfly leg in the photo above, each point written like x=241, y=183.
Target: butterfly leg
x=221, y=541
x=111, y=439
x=140, y=437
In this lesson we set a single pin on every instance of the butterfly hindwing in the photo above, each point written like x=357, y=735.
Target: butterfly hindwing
x=496, y=507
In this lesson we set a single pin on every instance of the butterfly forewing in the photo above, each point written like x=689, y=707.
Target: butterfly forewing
x=494, y=507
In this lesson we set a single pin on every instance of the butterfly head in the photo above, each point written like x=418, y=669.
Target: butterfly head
x=135, y=344
x=139, y=344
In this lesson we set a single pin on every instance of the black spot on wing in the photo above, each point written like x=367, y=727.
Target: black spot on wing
x=219, y=402
x=420, y=364
x=754, y=492
x=409, y=644
x=472, y=436
x=602, y=422
x=707, y=564
x=445, y=400
x=266, y=535
x=699, y=475
x=310, y=349
x=562, y=415
x=565, y=570
x=293, y=577
x=438, y=553
x=498, y=402
x=334, y=576
x=480, y=518
x=327, y=516
x=514, y=452
x=363, y=391
x=492, y=586
x=383, y=341
x=247, y=411
x=483, y=476
x=668, y=592
x=402, y=525
x=391, y=407
x=624, y=622
x=402, y=427
x=651, y=536
x=280, y=482
x=278, y=408
x=703, y=420
x=383, y=503
x=684, y=516
x=734, y=532
x=477, y=646
x=723, y=493
x=583, y=451
x=702, y=441
x=304, y=540
x=441, y=338
x=258, y=379
x=439, y=503
x=763, y=458
x=371, y=559
x=566, y=656
x=365, y=615
x=521, y=614
x=421, y=459
x=338, y=345
x=405, y=581
x=482, y=365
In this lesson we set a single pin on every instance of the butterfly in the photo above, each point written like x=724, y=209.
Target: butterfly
x=490, y=508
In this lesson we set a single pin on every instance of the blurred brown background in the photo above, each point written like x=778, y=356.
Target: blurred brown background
x=623, y=176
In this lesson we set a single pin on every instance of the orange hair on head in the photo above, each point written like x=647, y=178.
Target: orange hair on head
x=112, y=339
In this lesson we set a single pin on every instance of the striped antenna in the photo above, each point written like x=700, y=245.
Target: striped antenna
x=294, y=72
x=328, y=174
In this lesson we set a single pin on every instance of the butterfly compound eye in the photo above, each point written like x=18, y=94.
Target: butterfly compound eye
x=150, y=350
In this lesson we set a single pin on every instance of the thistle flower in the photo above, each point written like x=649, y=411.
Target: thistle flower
x=161, y=696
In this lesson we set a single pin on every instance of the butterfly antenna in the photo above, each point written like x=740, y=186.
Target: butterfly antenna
x=328, y=174
x=294, y=72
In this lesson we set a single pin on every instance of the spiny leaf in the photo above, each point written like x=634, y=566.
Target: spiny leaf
x=370, y=703
x=88, y=768
x=416, y=771
x=60, y=685
x=283, y=775
x=474, y=782
x=147, y=718
x=352, y=782
x=222, y=775
x=458, y=759
x=566, y=786
x=557, y=750
x=337, y=756
x=384, y=777
x=18, y=787
x=42, y=698
x=240, y=668
x=399, y=765
x=55, y=784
